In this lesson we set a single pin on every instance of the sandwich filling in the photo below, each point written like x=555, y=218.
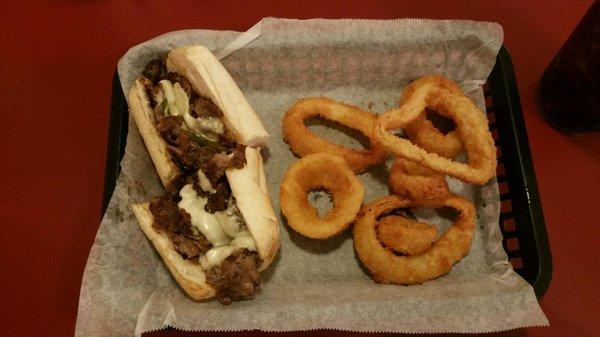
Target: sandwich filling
x=198, y=211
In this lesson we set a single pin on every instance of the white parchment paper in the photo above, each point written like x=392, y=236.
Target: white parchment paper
x=126, y=289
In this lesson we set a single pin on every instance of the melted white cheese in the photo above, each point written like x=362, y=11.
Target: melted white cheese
x=178, y=104
x=244, y=240
x=169, y=93
x=216, y=255
x=229, y=221
x=222, y=229
x=205, y=184
x=182, y=101
x=205, y=222
x=213, y=124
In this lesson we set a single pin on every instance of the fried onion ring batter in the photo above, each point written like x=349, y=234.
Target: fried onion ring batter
x=320, y=171
x=416, y=182
x=302, y=141
x=471, y=126
x=387, y=267
x=422, y=132
x=405, y=235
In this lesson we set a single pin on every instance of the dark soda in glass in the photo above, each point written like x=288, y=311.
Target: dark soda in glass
x=569, y=92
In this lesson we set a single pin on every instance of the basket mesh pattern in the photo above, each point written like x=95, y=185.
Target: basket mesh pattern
x=507, y=219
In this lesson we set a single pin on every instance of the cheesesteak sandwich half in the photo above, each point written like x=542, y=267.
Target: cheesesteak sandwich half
x=215, y=227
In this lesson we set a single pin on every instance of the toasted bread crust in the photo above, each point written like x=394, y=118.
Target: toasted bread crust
x=189, y=275
x=209, y=78
x=249, y=188
x=139, y=107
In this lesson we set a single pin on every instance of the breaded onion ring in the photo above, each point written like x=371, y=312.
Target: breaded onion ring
x=416, y=182
x=388, y=267
x=471, y=126
x=405, y=235
x=320, y=171
x=422, y=132
x=302, y=141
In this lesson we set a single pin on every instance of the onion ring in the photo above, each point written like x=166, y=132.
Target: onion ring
x=416, y=182
x=405, y=235
x=422, y=132
x=387, y=267
x=315, y=171
x=302, y=141
x=471, y=125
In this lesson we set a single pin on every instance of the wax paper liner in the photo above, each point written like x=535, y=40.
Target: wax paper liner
x=126, y=289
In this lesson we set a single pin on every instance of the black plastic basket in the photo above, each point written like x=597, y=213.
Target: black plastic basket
x=521, y=220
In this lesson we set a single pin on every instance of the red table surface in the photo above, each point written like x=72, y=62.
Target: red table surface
x=57, y=60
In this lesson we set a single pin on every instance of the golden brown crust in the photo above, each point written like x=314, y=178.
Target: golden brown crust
x=315, y=171
x=405, y=235
x=412, y=269
x=471, y=125
x=422, y=132
x=416, y=182
x=302, y=141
